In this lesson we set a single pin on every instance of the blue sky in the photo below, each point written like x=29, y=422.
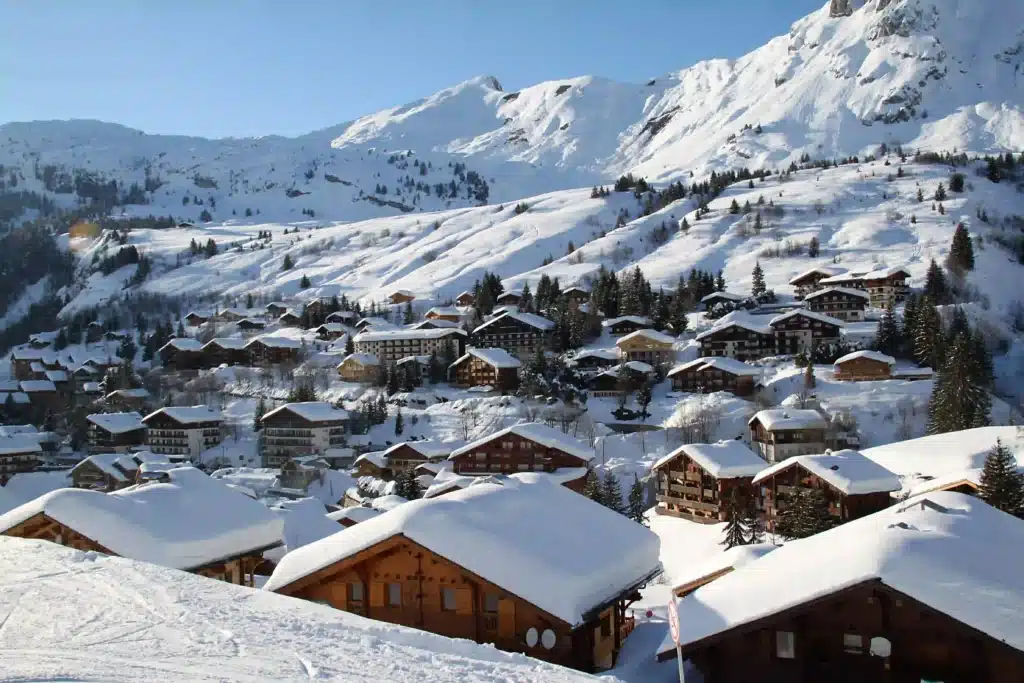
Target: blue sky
x=255, y=67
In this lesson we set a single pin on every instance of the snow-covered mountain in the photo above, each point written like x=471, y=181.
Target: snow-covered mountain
x=927, y=74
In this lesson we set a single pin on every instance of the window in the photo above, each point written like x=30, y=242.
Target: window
x=785, y=647
x=490, y=603
x=394, y=595
x=447, y=599
x=355, y=592
x=853, y=643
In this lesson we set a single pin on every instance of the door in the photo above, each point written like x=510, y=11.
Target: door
x=506, y=619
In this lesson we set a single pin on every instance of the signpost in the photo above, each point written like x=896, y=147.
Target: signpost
x=673, y=628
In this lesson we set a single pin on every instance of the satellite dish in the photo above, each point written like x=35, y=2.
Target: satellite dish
x=547, y=639
x=531, y=637
x=881, y=647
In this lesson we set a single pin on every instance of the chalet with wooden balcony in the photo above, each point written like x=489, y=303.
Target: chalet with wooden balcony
x=401, y=296
x=331, y=331
x=189, y=522
x=449, y=313
x=620, y=379
x=596, y=359
x=373, y=464
x=115, y=432
x=105, y=472
x=919, y=592
x=181, y=353
x=465, y=299
x=44, y=397
x=708, y=375
x=486, y=563
x=343, y=317
x=395, y=344
x=809, y=280
x=301, y=429
x=531, y=447
x=183, y=432
x=842, y=303
x=267, y=351
x=781, y=433
x=290, y=318
x=18, y=453
x=275, y=309
x=122, y=400
x=626, y=324
x=576, y=295
x=883, y=285
x=224, y=351
x=359, y=367
x=800, y=331
x=722, y=298
x=521, y=334
x=23, y=360
x=647, y=346
x=510, y=297
x=853, y=485
x=864, y=366
x=492, y=367
x=740, y=339
x=696, y=480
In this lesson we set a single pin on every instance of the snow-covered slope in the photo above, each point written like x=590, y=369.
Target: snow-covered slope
x=75, y=616
x=927, y=74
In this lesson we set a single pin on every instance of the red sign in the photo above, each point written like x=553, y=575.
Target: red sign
x=673, y=620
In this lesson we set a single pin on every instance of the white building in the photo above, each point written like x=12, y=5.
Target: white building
x=300, y=429
x=183, y=432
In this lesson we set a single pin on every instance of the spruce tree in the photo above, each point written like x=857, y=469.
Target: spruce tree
x=635, y=509
x=304, y=283
x=413, y=490
x=735, y=532
x=592, y=487
x=611, y=491
x=757, y=286
x=935, y=286
x=1002, y=485
x=261, y=410
x=940, y=193
x=350, y=345
x=287, y=263
x=399, y=422
x=960, y=398
x=813, y=247
x=888, y=338
x=752, y=520
x=734, y=208
x=961, y=251
x=926, y=335
x=791, y=521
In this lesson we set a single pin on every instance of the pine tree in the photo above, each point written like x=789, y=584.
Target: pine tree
x=753, y=522
x=350, y=345
x=935, y=287
x=888, y=338
x=635, y=508
x=261, y=409
x=1002, y=486
x=940, y=193
x=399, y=423
x=814, y=247
x=920, y=195
x=413, y=490
x=735, y=531
x=304, y=283
x=960, y=398
x=809, y=381
x=720, y=281
x=961, y=251
x=926, y=335
x=611, y=491
x=805, y=514
x=734, y=208
x=757, y=286
x=287, y=263
x=592, y=487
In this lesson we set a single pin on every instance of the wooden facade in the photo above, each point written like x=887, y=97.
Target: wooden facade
x=688, y=491
x=104, y=441
x=239, y=569
x=89, y=475
x=219, y=352
x=734, y=341
x=843, y=304
x=775, y=490
x=510, y=453
x=173, y=358
x=401, y=297
x=800, y=332
x=465, y=299
x=809, y=282
x=402, y=582
x=706, y=379
x=359, y=370
x=830, y=639
x=516, y=336
x=262, y=353
x=863, y=370
x=646, y=350
x=624, y=326
x=472, y=371
x=778, y=444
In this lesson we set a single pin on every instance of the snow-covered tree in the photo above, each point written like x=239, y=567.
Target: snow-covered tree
x=1002, y=486
x=636, y=507
x=960, y=397
x=888, y=338
x=592, y=488
x=611, y=491
x=735, y=532
x=757, y=285
x=961, y=251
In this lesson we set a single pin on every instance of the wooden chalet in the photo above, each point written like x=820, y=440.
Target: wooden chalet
x=195, y=318
x=647, y=346
x=401, y=296
x=230, y=315
x=919, y=592
x=289, y=319
x=181, y=353
x=531, y=447
x=486, y=367
x=221, y=351
x=392, y=345
x=44, y=396
x=449, y=313
x=115, y=432
x=800, y=331
x=413, y=369
x=511, y=297
x=864, y=366
x=620, y=379
x=359, y=367
x=465, y=299
x=695, y=480
x=809, y=280
x=18, y=453
x=841, y=303
x=724, y=298
x=191, y=522
x=301, y=429
x=251, y=325
x=264, y=351
x=183, y=432
x=331, y=331
x=373, y=464
x=343, y=317
x=576, y=296
x=23, y=360
x=739, y=339
x=121, y=400
x=626, y=324
x=275, y=310
x=456, y=565
x=887, y=286
x=853, y=485
x=708, y=375
x=105, y=472
x=596, y=359
x=780, y=433
x=521, y=334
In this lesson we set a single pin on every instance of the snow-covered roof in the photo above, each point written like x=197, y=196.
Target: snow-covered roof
x=825, y=271
x=530, y=319
x=502, y=532
x=183, y=344
x=653, y=335
x=361, y=358
x=435, y=323
x=847, y=471
x=56, y=375
x=841, y=278
x=937, y=549
x=227, y=343
x=720, y=563
x=634, y=365
x=375, y=458
x=860, y=293
x=425, y=447
x=188, y=522
x=509, y=293
x=689, y=365
x=636, y=319
x=16, y=396
x=30, y=386
x=775, y=419
x=882, y=273
x=603, y=354
x=802, y=312
x=128, y=393
x=870, y=355
x=748, y=325
x=117, y=423
x=722, y=460
x=258, y=322
x=400, y=334
x=419, y=360
x=188, y=414
x=331, y=327
x=939, y=454
x=539, y=433
x=19, y=443
x=496, y=358
x=444, y=310
x=91, y=388
x=354, y=514
x=277, y=342
x=403, y=292
x=728, y=296
x=313, y=411
x=731, y=365
x=114, y=465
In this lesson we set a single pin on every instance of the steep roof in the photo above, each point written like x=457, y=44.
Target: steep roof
x=117, y=423
x=653, y=335
x=313, y=411
x=847, y=471
x=722, y=460
x=530, y=319
x=859, y=293
x=539, y=433
x=187, y=414
x=636, y=319
x=226, y=343
x=937, y=549
x=375, y=458
x=361, y=358
x=825, y=271
x=603, y=354
x=444, y=310
x=871, y=355
x=427, y=448
x=736, y=322
x=728, y=296
x=820, y=317
x=502, y=533
x=183, y=344
x=277, y=342
x=399, y=334
x=496, y=358
x=114, y=465
x=186, y=523
x=775, y=419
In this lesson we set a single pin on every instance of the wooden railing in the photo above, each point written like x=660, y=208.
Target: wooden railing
x=627, y=626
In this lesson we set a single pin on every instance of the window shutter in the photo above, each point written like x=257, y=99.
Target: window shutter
x=506, y=618
x=464, y=601
x=339, y=595
x=376, y=594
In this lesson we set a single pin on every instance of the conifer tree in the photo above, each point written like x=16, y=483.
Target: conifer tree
x=935, y=286
x=940, y=193
x=635, y=509
x=809, y=381
x=753, y=522
x=287, y=263
x=304, y=283
x=592, y=487
x=961, y=251
x=350, y=345
x=960, y=398
x=735, y=532
x=888, y=338
x=408, y=317
x=814, y=247
x=1002, y=486
x=399, y=421
x=734, y=208
x=805, y=514
x=757, y=286
x=720, y=282
x=920, y=195
x=261, y=409
x=926, y=335
x=611, y=491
